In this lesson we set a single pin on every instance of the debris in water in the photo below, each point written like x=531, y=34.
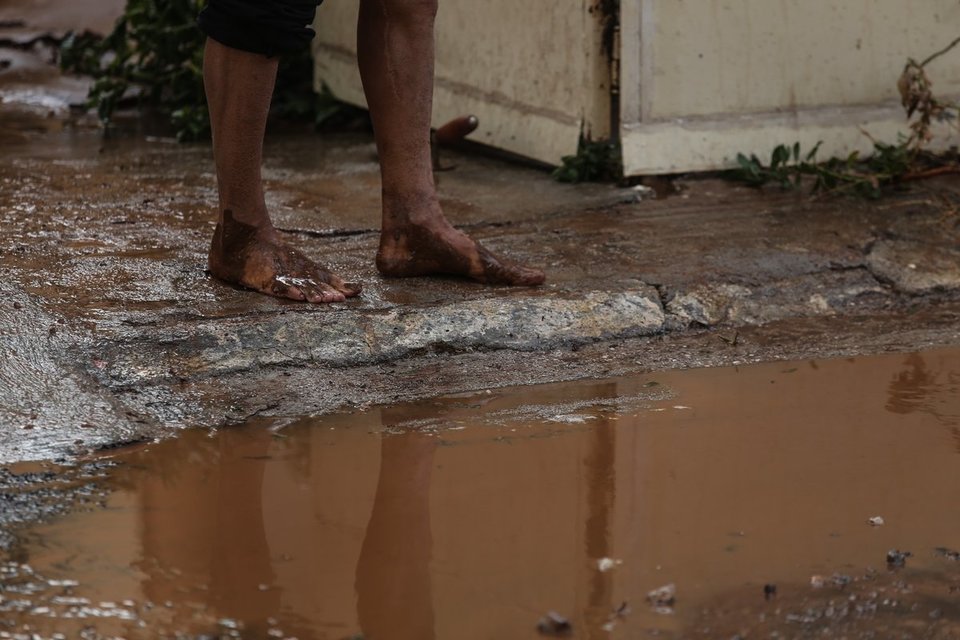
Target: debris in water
x=769, y=591
x=605, y=564
x=817, y=582
x=949, y=554
x=897, y=559
x=554, y=624
x=663, y=598
x=876, y=521
x=571, y=418
x=615, y=615
x=840, y=580
x=63, y=583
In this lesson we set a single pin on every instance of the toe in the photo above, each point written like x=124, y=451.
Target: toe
x=281, y=289
x=337, y=284
x=321, y=293
x=530, y=277
x=348, y=289
x=497, y=271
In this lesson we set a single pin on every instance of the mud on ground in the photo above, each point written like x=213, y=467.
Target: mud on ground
x=117, y=334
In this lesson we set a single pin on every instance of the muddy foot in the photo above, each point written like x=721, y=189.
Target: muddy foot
x=256, y=258
x=421, y=250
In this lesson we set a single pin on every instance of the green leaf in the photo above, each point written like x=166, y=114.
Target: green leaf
x=812, y=154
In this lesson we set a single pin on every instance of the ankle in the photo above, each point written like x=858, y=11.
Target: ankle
x=231, y=220
x=419, y=208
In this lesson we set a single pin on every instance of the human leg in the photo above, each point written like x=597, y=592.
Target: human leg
x=246, y=249
x=396, y=53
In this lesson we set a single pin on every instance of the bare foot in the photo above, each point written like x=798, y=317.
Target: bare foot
x=437, y=248
x=256, y=258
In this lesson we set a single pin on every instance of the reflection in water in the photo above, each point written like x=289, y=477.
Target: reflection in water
x=600, y=464
x=394, y=598
x=204, y=530
x=910, y=389
x=471, y=517
x=917, y=388
x=258, y=528
x=203, y=527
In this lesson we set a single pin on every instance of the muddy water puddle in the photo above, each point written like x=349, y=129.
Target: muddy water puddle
x=749, y=490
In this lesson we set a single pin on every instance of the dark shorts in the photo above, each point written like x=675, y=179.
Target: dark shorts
x=270, y=27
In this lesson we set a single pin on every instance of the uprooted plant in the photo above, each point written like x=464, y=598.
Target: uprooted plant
x=916, y=95
x=888, y=165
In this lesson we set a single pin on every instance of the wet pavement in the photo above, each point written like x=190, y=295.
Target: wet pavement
x=108, y=307
x=769, y=496
x=114, y=333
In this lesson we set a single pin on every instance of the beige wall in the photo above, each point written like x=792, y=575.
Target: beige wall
x=707, y=57
x=705, y=79
x=531, y=71
x=701, y=80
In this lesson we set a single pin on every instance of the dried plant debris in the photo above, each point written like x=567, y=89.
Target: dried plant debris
x=918, y=99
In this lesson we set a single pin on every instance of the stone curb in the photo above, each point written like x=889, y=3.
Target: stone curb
x=346, y=338
x=915, y=268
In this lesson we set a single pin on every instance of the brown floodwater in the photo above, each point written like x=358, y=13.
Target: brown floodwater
x=474, y=516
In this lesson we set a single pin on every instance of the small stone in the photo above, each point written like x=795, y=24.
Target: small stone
x=897, y=559
x=553, y=624
x=605, y=564
x=840, y=580
x=949, y=554
x=663, y=598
